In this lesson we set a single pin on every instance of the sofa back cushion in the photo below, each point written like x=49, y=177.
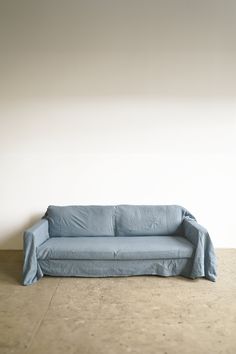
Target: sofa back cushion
x=69, y=221
x=149, y=220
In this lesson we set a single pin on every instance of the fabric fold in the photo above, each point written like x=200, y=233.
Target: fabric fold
x=33, y=237
x=204, y=258
x=185, y=247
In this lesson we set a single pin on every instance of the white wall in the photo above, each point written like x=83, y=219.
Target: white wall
x=108, y=102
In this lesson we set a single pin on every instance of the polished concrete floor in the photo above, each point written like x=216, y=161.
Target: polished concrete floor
x=146, y=315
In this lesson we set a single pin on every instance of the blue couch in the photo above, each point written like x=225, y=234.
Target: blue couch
x=123, y=240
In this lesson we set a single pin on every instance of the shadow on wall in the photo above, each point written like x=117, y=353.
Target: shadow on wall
x=16, y=236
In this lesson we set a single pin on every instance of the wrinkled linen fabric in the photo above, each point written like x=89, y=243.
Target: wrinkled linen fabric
x=33, y=237
x=116, y=268
x=148, y=220
x=169, y=241
x=204, y=261
x=81, y=220
x=146, y=247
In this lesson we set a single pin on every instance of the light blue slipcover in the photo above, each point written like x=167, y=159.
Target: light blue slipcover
x=142, y=247
x=148, y=220
x=81, y=220
x=116, y=268
x=127, y=240
x=33, y=238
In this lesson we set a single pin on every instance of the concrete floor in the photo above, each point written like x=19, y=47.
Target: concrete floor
x=118, y=315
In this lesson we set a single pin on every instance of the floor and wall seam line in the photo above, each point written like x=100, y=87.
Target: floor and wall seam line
x=43, y=317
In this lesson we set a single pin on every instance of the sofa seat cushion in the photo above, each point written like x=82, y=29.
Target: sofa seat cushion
x=120, y=248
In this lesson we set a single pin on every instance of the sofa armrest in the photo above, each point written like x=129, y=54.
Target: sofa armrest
x=33, y=237
x=204, y=259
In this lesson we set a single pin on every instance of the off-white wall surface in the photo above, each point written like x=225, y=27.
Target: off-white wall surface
x=109, y=102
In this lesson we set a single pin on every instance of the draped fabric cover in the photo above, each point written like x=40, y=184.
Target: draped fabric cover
x=118, y=240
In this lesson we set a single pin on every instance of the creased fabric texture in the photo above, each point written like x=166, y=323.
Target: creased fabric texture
x=109, y=268
x=79, y=220
x=185, y=248
x=33, y=237
x=204, y=259
x=148, y=220
x=147, y=247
